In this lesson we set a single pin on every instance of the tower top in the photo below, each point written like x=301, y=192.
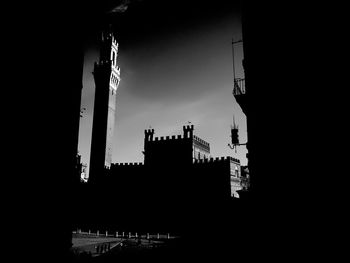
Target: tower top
x=108, y=56
x=108, y=37
x=108, y=44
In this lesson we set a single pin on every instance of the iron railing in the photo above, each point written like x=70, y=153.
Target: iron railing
x=238, y=86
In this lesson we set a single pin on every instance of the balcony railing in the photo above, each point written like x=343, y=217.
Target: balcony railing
x=238, y=87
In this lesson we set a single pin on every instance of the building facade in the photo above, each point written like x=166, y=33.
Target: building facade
x=201, y=149
x=83, y=175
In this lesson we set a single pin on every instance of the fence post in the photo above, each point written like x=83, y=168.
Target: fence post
x=97, y=233
x=123, y=234
x=116, y=234
x=168, y=236
x=158, y=236
x=129, y=234
x=106, y=233
x=147, y=235
x=89, y=232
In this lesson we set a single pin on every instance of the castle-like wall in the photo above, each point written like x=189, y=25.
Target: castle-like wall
x=137, y=164
x=214, y=175
x=169, y=190
x=165, y=151
x=182, y=148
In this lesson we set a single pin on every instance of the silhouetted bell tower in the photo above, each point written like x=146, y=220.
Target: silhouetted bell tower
x=107, y=77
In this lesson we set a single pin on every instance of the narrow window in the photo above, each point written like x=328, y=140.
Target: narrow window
x=113, y=58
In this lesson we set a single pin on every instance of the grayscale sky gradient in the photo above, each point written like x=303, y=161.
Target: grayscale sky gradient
x=169, y=77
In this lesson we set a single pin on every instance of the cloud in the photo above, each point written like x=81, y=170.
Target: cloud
x=121, y=8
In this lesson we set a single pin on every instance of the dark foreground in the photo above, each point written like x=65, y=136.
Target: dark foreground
x=126, y=250
x=141, y=249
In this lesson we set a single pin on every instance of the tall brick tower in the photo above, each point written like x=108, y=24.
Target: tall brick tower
x=107, y=77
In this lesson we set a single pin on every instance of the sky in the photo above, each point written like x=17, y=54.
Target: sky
x=176, y=68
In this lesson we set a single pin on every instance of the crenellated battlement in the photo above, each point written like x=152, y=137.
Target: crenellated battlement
x=187, y=136
x=201, y=141
x=109, y=51
x=106, y=36
x=188, y=131
x=188, y=127
x=169, y=138
x=149, y=134
x=114, y=42
x=216, y=160
x=127, y=165
x=105, y=62
x=149, y=131
x=234, y=159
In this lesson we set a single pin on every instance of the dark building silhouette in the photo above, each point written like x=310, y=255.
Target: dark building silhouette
x=107, y=77
x=189, y=146
x=179, y=188
x=50, y=124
